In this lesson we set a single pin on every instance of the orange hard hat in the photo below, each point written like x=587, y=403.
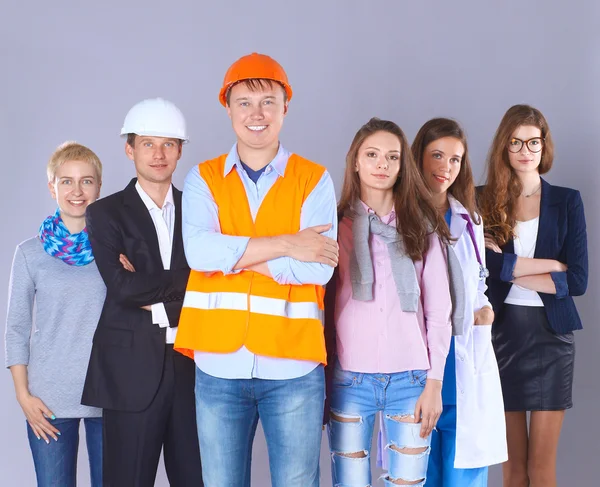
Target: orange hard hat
x=254, y=66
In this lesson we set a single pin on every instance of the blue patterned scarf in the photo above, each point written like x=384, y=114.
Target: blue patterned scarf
x=58, y=242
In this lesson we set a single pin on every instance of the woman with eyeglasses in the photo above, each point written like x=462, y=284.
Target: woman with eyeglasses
x=537, y=258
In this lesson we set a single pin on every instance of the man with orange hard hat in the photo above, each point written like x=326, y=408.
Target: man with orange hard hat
x=259, y=228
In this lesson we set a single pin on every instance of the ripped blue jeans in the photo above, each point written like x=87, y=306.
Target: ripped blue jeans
x=355, y=400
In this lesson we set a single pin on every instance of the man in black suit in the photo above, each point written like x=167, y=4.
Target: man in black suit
x=146, y=389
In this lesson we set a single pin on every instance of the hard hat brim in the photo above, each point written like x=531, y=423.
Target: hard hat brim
x=228, y=86
x=150, y=133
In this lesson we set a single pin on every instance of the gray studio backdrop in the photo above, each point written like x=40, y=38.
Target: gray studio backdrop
x=71, y=70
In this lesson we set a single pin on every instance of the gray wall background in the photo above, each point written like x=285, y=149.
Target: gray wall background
x=71, y=70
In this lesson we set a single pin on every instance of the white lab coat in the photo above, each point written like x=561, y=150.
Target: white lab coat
x=480, y=423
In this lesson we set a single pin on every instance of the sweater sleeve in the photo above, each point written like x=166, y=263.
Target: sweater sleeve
x=437, y=307
x=19, y=321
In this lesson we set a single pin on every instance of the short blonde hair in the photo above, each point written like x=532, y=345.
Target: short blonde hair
x=72, y=151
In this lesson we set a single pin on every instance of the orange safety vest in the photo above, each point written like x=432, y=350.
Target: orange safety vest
x=221, y=313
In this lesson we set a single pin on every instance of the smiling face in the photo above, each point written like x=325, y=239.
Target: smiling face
x=155, y=158
x=257, y=114
x=525, y=160
x=378, y=162
x=75, y=186
x=442, y=160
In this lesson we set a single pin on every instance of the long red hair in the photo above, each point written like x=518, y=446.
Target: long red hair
x=498, y=199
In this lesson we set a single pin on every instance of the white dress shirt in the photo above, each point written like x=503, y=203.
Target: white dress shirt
x=164, y=223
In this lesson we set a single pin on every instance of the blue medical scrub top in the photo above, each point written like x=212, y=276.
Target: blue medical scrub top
x=449, y=385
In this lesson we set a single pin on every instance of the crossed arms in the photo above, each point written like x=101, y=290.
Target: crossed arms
x=306, y=257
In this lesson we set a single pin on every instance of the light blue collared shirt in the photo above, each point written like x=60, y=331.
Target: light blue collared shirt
x=208, y=250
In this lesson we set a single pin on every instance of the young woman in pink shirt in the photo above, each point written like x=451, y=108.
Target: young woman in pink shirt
x=391, y=313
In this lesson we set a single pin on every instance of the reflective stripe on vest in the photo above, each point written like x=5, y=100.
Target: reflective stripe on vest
x=221, y=313
x=254, y=304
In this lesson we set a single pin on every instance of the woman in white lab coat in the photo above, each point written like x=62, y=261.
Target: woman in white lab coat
x=471, y=432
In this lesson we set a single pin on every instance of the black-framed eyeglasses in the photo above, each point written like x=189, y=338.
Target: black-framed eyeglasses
x=534, y=144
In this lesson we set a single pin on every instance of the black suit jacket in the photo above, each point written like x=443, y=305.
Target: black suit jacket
x=128, y=350
x=561, y=236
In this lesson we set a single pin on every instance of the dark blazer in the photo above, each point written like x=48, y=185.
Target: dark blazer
x=126, y=361
x=561, y=236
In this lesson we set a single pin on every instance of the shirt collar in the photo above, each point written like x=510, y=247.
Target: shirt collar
x=150, y=204
x=456, y=206
x=387, y=219
x=279, y=162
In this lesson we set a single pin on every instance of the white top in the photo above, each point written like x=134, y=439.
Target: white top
x=164, y=223
x=525, y=239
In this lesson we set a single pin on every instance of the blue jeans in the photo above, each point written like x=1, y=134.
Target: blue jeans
x=355, y=400
x=291, y=414
x=56, y=462
x=441, y=471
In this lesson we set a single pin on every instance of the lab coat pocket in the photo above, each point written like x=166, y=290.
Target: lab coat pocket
x=484, y=359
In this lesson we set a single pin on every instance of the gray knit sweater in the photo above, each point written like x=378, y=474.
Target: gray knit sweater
x=53, y=310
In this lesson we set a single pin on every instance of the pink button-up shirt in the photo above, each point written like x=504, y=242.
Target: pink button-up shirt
x=377, y=336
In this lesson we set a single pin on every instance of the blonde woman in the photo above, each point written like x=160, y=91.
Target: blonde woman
x=55, y=300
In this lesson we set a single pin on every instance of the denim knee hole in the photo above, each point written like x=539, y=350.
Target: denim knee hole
x=345, y=418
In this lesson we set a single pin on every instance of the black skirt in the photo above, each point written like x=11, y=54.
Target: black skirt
x=536, y=364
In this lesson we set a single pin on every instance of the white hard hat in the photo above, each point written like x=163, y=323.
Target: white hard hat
x=155, y=117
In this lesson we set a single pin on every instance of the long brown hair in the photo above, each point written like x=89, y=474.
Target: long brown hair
x=503, y=187
x=415, y=213
x=463, y=188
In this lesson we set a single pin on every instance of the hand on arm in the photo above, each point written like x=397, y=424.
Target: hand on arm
x=159, y=312
x=308, y=245
x=491, y=244
x=563, y=279
x=130, y=289
x=542, y=283
x=207, y=249
x=313, y=251
x=34, y=408
x=526, y=266
x=128, y=266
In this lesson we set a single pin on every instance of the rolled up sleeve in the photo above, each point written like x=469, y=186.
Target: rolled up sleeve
x=574, y=281
x=501, y=265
